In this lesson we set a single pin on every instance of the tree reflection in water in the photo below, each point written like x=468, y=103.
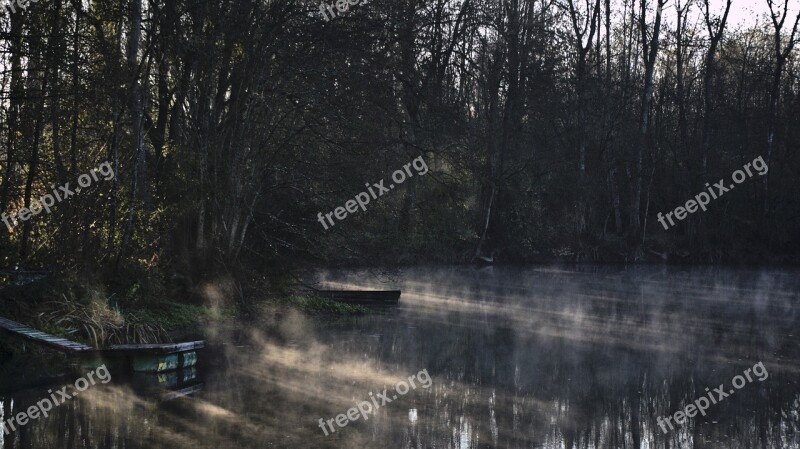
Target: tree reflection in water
x=520, y=358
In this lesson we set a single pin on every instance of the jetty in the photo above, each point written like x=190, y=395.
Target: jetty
x=152, y=358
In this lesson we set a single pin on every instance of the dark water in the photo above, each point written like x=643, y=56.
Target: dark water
x=517, y=358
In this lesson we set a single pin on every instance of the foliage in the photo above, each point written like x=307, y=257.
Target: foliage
x=79, y=309
x=172, y=315
x=231, y=125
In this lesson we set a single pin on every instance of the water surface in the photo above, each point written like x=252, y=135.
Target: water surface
x=539, y=357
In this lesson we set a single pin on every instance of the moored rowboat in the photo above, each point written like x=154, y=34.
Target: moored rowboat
x=362, y=297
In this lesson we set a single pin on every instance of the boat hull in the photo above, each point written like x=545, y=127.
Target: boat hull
x=362, y=297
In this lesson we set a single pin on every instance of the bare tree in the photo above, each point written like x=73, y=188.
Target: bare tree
x=650, y=46
x=681, y=50
x=782, y=54
x=715, y=27
x=584, y=24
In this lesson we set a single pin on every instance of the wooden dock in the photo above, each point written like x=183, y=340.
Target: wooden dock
x=141, y=358
x=50, y=341
x=166, y=348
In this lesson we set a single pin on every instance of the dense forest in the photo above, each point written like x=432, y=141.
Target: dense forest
x=553, y=129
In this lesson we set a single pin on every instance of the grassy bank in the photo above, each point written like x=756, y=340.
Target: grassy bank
x=88, y=311
x=102, y=314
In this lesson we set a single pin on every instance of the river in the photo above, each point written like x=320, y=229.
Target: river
x=503, y=357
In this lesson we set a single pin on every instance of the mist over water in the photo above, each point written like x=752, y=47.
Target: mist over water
x=539, y=357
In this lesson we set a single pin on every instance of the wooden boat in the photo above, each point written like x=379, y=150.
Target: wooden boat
x=362, y=297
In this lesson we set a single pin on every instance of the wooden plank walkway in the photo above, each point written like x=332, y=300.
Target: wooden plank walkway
x=142, y=358
x=51, y=341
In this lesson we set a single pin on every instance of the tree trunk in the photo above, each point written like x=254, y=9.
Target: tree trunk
x=139, y=169
x=15, y=96
x=649, y=54
x=33, y=165
x=708, y=85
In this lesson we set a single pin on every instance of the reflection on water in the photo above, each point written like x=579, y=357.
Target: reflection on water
x=520, y=358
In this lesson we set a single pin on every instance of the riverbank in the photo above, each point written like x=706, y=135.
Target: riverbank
x=100, y=314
